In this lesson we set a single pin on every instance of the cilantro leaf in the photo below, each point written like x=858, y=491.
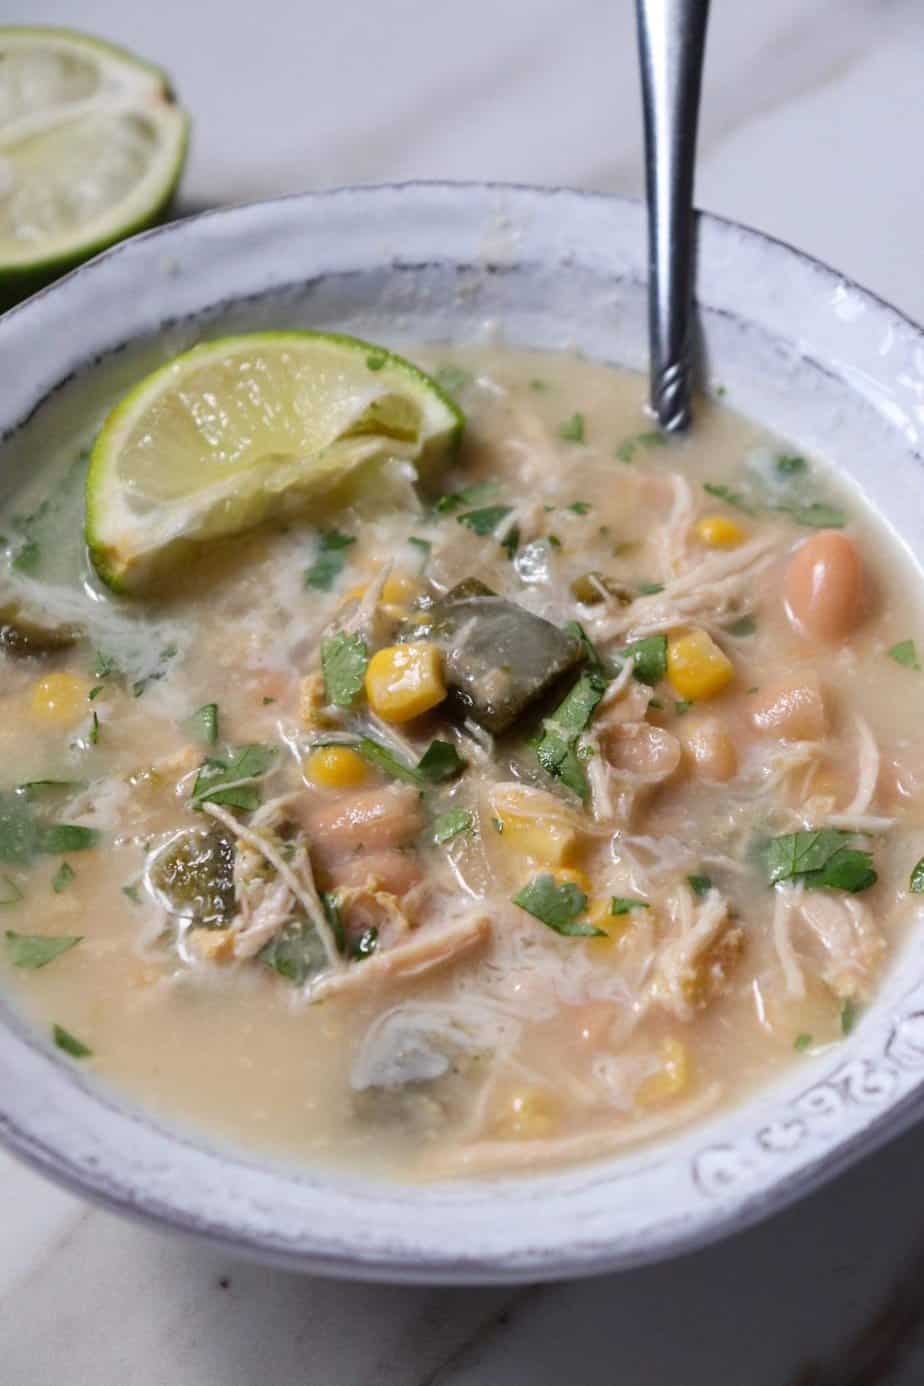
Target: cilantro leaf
x=329, y=560
x=820, y=860
x=802, y=1042
x=56, y=838
x=572, y=430
x=580, y=507
x=730, y=497
x=449, y=824
x=905, y=653
x=10, y=894
x=622, y=904
x=425, y=548
x=384, y=759
x=229, y=779
x=848, y=1015
x=469, y=495
x=343, y=662
x=700, y=885
x=649, y=657
x=440, y=761
x=62, y=877
x=815, y=515
x=559, y=759
x=650, y=589
x=627, y=449
x=376, y=360
x=203, y=724
x=70, y=1043
x=486, y=520
x=557, y=905
x=18, y=830
x=33, y=951
x=790, y=465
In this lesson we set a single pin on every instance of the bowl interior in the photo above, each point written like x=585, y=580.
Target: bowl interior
x=796, y=348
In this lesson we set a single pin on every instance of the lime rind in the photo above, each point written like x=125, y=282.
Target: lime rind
x=139, y=528
x=129, y=87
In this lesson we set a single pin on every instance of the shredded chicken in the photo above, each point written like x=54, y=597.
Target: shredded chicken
x=265, y=907
x=850, y=942
x=427, y=949
x=693, y=966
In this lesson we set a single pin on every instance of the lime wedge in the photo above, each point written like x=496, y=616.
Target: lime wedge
x=245, y=429
x=91, y=149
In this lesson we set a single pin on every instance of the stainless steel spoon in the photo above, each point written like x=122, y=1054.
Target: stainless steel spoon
x=671, y=41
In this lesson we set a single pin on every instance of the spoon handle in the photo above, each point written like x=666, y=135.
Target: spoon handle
x=671, y=40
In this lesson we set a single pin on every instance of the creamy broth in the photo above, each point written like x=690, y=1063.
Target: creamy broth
x=762, y=704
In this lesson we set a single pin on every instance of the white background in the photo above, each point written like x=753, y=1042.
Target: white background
x=812, y=129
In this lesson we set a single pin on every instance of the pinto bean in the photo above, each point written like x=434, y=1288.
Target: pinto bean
x=823, y=587
x=711, y=750
x=370, y=820
x=792, y=708
x=641, y=751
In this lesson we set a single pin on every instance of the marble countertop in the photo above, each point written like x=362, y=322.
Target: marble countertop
x=812, y=130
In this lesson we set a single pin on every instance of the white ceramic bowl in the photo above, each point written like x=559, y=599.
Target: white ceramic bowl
x=811, y=356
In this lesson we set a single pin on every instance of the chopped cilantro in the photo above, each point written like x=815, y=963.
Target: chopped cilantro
x=33, y=951
x=906, y=654
x=682, y=705
x=449, y=824
x=62, y=877
x=848, y=1015
x=329, y=559
x=700, y=885
x=10, y=894
x=580, y=507
x=556, y=749
x=28, y=558
x=821, y=860
x=95, y=692
x=425, y=548
x=266, y=701
x=230, y=779
x=627, y=449
x=440, y=761
x=649, y=656
x=486, y=520
x=572, y=430
x=383, y=759
x=540, y=386
x=650, y=589
x=730, y=497
x=203, y=724
x=376, y=360
x=790, y=464
x=343, y=662
x=815, y=515
x=133, y=893
x=58, y=838
x=469, y=495
x=557, y=905
x=801, y=1043
x=511, y=541
x=622, y=904
x=70, y=1043
x=104, y=666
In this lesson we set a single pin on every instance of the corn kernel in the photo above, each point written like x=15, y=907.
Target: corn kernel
x=719, y=532
x=336, y=767
x=671, y=1078
x=59, y=700
x=528, y=1114
x=399, y=589
x=696, y=667
x=548, y=842
x=404, y=681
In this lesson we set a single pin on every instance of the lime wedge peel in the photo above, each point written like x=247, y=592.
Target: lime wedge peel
x=92, y=145
x=246, y=429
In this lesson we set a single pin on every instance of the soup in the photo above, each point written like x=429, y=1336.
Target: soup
x=500, y=821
